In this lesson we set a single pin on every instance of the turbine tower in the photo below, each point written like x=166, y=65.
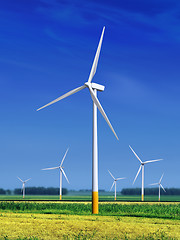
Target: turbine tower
x=93, y=88
x=114, y=184
x=23, y=185
x=142, y=167
x=61, y=170
x=160, y=186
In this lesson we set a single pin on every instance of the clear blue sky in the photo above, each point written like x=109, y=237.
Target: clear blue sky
x=47, y=48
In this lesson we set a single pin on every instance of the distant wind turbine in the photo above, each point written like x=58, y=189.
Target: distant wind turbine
x=160, y=186
x=93, y=88
x=142, y=167
x=23, y=185
x=61, y=170
x=114, y=183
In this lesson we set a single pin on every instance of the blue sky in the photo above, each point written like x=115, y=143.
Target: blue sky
x=47, y=48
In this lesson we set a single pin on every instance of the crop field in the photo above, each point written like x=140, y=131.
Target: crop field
x=88, y=198
x=73, y=220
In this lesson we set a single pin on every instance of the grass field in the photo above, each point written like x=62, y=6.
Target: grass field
x=88, y=198
x=73, y=220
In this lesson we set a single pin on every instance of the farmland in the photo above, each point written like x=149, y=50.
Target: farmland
x=73, y=220
x=88, y=198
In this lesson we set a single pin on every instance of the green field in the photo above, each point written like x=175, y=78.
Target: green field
x=151, y=210
x=126, y=218
x=73, y=220
x=88, y=198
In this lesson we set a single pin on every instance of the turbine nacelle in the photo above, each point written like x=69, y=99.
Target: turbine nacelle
x=95, y=86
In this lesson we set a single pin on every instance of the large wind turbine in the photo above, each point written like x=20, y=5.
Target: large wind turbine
x=114, y=183
x=23, y=185
x=93, y=88
x=160, y=186
x=61, y=170
x=142, y=167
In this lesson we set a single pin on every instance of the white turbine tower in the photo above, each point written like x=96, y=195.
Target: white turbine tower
x=142, y=167
x=114, y=183
x=160, y=186
x=61, y=170
x=93, y=88
x=23, y=185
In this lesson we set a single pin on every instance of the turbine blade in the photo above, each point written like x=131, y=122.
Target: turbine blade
x=112, y=185
x=96, y=101
x=137, y=173
x=63, y=96
x=120, y=178
x=152, y=161
x=111, y=175
x=161, y=178
x=94, y=66
x=162, y=188
x=154, y=184
x=20, y=179
x=64, y=157
x=64, y=175
x=135, y=154
x=27, y=180
x=49, y=168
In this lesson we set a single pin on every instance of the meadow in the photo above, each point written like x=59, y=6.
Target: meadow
x=73, y=220
x=167, y=198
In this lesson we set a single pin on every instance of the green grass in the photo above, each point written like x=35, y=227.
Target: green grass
x=166, y=211
x=88, y=198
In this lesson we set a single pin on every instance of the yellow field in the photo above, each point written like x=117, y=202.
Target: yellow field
x=54, y=226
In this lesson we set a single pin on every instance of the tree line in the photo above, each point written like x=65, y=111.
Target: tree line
x=5, y=192
x=34, y=191
x=150, y=191
x=55, y=191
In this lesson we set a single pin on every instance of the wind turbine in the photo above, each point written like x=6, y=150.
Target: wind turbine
x=160, y=186
x=114, y=183
x=23, y=185
x=93, y=88
x=61, y=170
x=142, y=167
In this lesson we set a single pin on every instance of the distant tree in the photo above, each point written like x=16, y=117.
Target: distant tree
x=2, y=191
x=131, y=191
x=64, y=191
x=8, y=192
x=101, y=190
x=172, y=191
x=150, y=191
x=41, y=191
x=85, y=190
x=17, y=191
